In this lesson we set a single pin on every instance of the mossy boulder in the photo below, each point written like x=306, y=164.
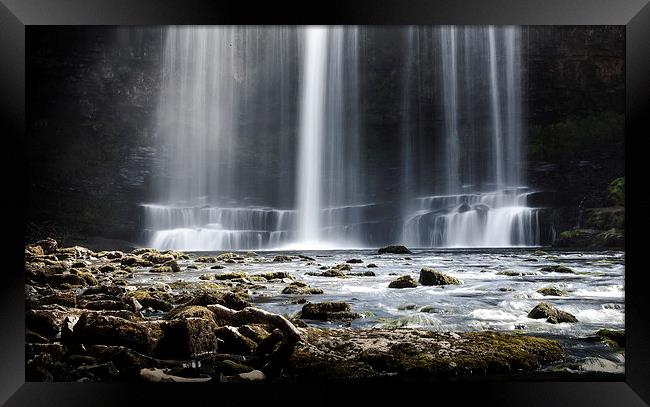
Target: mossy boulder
x=298, y=287
x=327, y=273
x=273, y=275
x=187, y=337
x=161, y=269
x=394, y=249
x=551, y=314
x=558, y=269
x=44, y=322
x=191, y=311
x=552, y=291
x=99, y=329
x=339, y=354
x=158, y=300
x=65, y=298
x=59, y=280
x=232, y=300
x=403, y=282
x=326, y=311
x=612, y=337
x=429, y=276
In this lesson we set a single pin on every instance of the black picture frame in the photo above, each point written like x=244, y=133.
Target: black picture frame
x=16, y=15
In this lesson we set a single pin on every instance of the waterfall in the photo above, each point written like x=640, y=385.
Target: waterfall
x=328, y=170
x=217, y=184
x=479, y=205
x=265, y=140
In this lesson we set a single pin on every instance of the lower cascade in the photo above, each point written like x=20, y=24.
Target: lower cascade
x=265, y=141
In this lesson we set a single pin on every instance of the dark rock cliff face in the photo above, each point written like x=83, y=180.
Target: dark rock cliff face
x=93, y=93
x=576, y=113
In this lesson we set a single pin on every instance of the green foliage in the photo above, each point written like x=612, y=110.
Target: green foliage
x=616, y=192
x=590, y=137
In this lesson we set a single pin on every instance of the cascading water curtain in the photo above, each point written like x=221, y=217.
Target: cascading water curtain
x=483, y=199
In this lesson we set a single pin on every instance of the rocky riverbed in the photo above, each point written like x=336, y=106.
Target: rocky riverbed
x=150, y=315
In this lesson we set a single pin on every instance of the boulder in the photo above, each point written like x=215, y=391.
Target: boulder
x=61, y=280
x=612, y=337
x=430, y=276
x=191, y=311
x=281, y=259
x=371, y=265
x=187, y=337
x=44, y=322
x=206, y=259
x=274, y=275
x=558, y=269
x=65, y=298
x=298, y=287
x=327, y=273
x=225, y=298
x=99, y=329
x=158, y=300
x=363, y=274
x=354, y=261
x=552, y=291
x=326, y=311
x=48, y=245
x=552, y=314
x=403, y=282
x=394, y=250
x=234, y=342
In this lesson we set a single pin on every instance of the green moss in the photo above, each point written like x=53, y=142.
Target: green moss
x=616, y=192
x=598, y=135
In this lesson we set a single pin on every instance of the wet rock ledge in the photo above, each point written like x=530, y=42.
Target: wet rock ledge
x=86, y=321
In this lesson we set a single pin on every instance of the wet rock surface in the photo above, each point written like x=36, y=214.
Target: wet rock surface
x=133, y=325
x=360, y=354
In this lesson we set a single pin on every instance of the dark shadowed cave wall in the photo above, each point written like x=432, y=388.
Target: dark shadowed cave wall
x=92, y=97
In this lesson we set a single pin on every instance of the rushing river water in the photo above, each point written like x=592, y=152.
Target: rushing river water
x=486, y=300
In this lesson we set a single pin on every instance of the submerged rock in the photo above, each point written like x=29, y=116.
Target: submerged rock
x=371, y=265
x=354, y=261
x=552, y=314
x=395, y=249
x=403, y=282
x=429, y=276
x=326, y=311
